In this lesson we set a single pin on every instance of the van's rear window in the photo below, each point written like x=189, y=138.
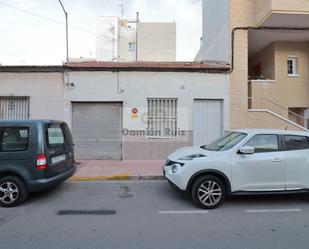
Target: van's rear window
x=14, y=139
x=55, y=136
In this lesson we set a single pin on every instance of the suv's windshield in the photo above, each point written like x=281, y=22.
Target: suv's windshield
x=226, y=142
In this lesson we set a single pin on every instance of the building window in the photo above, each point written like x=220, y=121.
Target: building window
x=132, y=46
x=162, y=118
x=292, y=63
x=14, y=107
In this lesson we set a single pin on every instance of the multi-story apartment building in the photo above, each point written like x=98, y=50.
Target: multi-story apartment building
x=266, y=42
x=132, y=40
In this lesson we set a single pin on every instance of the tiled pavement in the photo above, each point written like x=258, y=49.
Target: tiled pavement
x=117, y=170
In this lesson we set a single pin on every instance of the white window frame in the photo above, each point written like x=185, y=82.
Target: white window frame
x=294, y=60
x=162, y=115
x=132, y=46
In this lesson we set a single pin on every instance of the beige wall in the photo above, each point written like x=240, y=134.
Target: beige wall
x=293, y=91
x=262, y=120
x=156, y=42
x=242, y=14
x=288, y=92
x=264, y=8
x=290, y=6
x=266, y=58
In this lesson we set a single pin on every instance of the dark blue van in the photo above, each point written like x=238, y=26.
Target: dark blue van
x=34, y=155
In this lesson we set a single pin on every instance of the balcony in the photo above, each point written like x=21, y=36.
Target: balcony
x=274, y=13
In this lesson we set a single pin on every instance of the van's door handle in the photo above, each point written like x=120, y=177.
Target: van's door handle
x=277, y=160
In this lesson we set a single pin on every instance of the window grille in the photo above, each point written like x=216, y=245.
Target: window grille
x=14, y=107
x=162, y=118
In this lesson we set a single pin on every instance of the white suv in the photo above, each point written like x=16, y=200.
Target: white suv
x=241, y=162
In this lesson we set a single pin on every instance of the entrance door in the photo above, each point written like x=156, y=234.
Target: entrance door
x=207, y=121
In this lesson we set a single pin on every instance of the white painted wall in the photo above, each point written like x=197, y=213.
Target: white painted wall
x=45, y=91
x=156, y=42
x=135, y=87
x=216, y=37
x=107, y=31
x=50, y=100
x=126, y=35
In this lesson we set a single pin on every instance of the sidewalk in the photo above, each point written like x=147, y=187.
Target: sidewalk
x=93, y=170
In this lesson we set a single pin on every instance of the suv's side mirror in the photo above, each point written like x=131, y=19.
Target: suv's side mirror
x=246, y=150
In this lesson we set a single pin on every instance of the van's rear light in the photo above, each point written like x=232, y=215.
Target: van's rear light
x=41, y=162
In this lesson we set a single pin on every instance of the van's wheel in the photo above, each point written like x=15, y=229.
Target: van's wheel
x=208, y=192
x=12, y=191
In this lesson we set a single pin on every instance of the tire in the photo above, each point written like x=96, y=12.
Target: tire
x=13, y=191
x=203, y=196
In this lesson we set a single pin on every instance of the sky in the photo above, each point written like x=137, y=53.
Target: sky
x=33, y=31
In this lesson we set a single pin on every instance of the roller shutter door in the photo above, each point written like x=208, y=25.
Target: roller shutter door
x=207, y=121
x=97, y=131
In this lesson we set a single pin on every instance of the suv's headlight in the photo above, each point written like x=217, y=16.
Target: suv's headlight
x=191, y=157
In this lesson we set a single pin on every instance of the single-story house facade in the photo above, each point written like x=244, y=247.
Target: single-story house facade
x=123, y=111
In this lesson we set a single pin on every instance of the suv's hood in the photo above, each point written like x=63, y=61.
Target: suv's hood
x=187, y=151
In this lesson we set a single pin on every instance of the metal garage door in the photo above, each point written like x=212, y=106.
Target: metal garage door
x=207, y=121
x=97, y=131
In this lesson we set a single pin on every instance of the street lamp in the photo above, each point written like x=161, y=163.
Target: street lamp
x=67, y=30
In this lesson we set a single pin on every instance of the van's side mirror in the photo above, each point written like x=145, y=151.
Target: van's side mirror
x=246, y=150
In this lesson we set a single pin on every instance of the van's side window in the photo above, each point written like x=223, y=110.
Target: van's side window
x=14, y=139
x=55, y=136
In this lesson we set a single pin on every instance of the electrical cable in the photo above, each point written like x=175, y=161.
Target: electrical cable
x=103, y=37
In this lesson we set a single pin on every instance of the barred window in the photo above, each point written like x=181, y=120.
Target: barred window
x=14, y=107
x=162, y=118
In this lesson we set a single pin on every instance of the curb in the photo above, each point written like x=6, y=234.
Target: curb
x=123, y=177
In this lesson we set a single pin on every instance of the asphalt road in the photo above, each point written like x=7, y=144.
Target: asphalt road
x=150, y=215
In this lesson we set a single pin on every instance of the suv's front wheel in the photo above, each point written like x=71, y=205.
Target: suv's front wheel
x=12, y=191
x=208, y=192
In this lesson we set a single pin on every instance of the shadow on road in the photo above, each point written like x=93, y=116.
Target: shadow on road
x=49, y=193
x=268, y=199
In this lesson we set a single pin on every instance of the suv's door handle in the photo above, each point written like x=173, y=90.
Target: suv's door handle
x=277, y=160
